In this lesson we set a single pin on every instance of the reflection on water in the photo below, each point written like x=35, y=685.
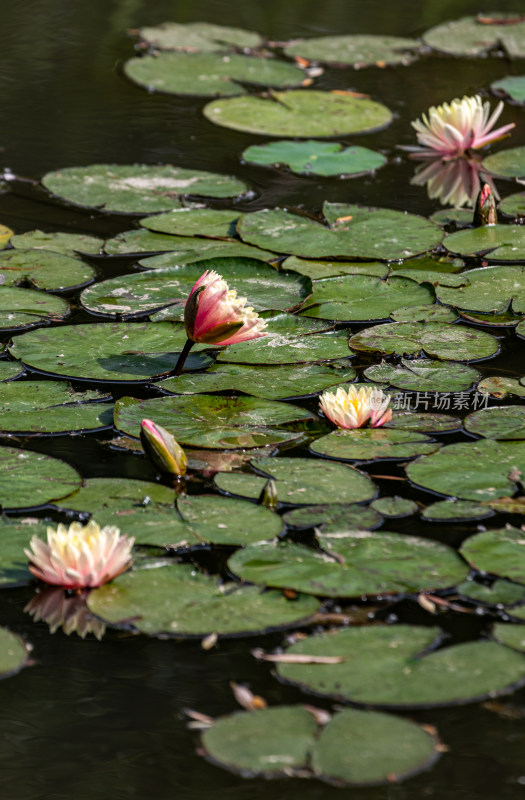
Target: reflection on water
x=61, y=609
x=456, y=183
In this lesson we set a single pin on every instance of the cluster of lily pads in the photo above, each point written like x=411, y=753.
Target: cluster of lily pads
x=291, y=509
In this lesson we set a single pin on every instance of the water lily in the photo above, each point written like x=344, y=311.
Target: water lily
x=68, y=612
x=453, y=128
x=353, y=408
x=80, y=556
x=215, y=315
x=485, y=212
x=162, y=448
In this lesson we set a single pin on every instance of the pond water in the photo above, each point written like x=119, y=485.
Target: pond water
x=101, y=719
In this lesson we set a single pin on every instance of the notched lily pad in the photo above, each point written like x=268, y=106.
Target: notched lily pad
x=479, y=35
x=490, y=289
x=497, y=423
x=68, y=244
x=26, y=308
x=315, y=158
x=394, y=506
x=497, y=552
x=29, y=479
x=209, y=222
x=500, y=386
x=500, y=242
x=357, y=51
x=197, y=36
x=513, y=206
x=424, y=375
x=424, y=421
x=14, y=653
x=317, y=270
x=369, y=444
x=334, y=518
x=499, y=593
x=288, y=349
x=508, y=163
x=456, y=511
x=182, y=249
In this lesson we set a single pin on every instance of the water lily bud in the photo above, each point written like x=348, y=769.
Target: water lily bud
x=485, y=212
x=268, y=496
x=162, y=448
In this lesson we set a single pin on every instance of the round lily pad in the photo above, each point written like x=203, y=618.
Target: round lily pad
x=179, y=601
x=512, y=87
x=456, y=511
x=304, y=114
x=197, y=36
x=29, y=479
x=26, y=308
x=508, y=163
x=351, y=564
x=497, y=552
x=510, y=635
x=513, y=205
x=106, y=351
x=476, y=36
x=57, y=242
x=275, y=383
x=499, y=593
x=316, y=270
x=213, y=421
x=51, y=407
x=100, y=494
x=425, y=421
x=424, y=375
x=490, y=289
x=357, y=51
x=459, y=217
x=14, y=653
x=354, y=232
x=136, y=188
x=315, y=158
x=209, y=222
x=210, y=74
x=497, y=423
x=288, y=349
x=394, y=506
x=500, y=386
x=369, y=444
x=480, y=470
x=430, y=313
x=300, y=481
x=10, y=370
x=392, y=666
x=335, y=518
x=182, y=249
x=14, y=537
x=437, y=339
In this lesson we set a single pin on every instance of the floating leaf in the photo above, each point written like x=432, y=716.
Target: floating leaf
x=66, y=243
x=14, y=537
x=25, y=308
x=471, y=36
x=499, y=593
x=10, y=370
x=304, y=114
x=497, y=423
x=351, y=564
x=179, y=601
x=29, y=479
x=316, y=270
x=109, y=351
x=426, y=421
x=182, y=249
x=335, y=518
x=394, y=506
x=511, y=87
x=510, y=635
x=480, y=470
x=460, y=217
x=280, y=349
x=500, y=386
x=100, y=494
x=505, y=319
x=315, y=158
x=424, y=375
x=498, y=552
x=456, y=511
x=136, y=188
x=391, y=666
x=508, y=163
x=14, y=653
x=430, y=313
x=369, y=444
x=513, y=205
x=438, y=339
x=195, y=36
x=210, y=222
x=357, y=51
x=490, y=289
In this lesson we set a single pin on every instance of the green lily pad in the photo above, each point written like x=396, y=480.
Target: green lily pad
x=300, y=481
x=424, y=375
x=490, y=290
x=426, y=421
x=10, y=370
x=354, y=232
x=508, y=163
x=501, y=242
x=136, y=188
x=394, y=506
x=456, y=511
x=195, y=36
x=505, y=319
x=66, y=243
x=499, y=593
x=213, y=421
x=369, y=444
x=335, y=518
x=281, y=349
x=26, y=308
x=355, y=748
x=363, y=298
x=29, y=479
x=498, y=552
x=264, y=286
x=14, y=653
x=357, y=51
x=304, y=114
x=480, y=470
x=471, y=36
x=513, y=205
x=351, y=564
x=315, y=158
x=179, y=601
x=437, y=339
x=182, y=249
x=209, y=222
x=14, y=537
x=520, y=329
x=511, y=88
x=274, y=383
x=510, y=635
x=460, y=217
x=97, y=495
x=51, y=407
x=497, y=423
x=500, y=386
x=210, y=74
x=430, y=313
x=317, y=270
x=112, y=351
x=392, y=666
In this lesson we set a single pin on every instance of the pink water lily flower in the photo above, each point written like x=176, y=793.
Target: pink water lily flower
x=353, y=408
x=453, y=128
x=80, y=556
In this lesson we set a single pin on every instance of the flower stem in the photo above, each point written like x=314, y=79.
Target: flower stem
x=182, y=358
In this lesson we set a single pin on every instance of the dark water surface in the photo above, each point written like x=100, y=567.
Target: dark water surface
x=104, y=719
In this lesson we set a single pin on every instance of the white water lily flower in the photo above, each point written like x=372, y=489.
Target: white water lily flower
x=353, y=408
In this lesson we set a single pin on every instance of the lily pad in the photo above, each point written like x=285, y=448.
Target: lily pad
x=213, y=421
x=369, y=444
x=210, y=222
x=6, y=234
x=510, y=635
x=511, y=87
x=499, y=593
x=424, y=375
x=456, y=511
x=490, y=289
x=210, y=74
x=300, y=481
x=275, y=383
x=513, y=205
x=136, y=188
x=10, y=370
x=14, y=537
x=437, y=339
x=351, y=564
x=508, y=163
x=363, y=298
x=26, y=308
x=316, y=270
x=477, y=36
x=505, y=319
x=354, y=232
x=182, y=249
x=281, y=349
x=500, y=386
x=335, y=518
x=57, y=242
x=112, y=351
x=424, y=421
x=394, y=506
x=480, y=470
x=197, y=36
x=392, y=666
x=520, y=329
x=357, y=51
x=179, y=601
x=498, y=552
x=14, y=653
x=315, y=158
x=34, y=407
x=355, y=748
x=304, y=114
x=501, y=242
x=497, y=423
x=100, y=494
x=430, y=313
x=29, y=479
